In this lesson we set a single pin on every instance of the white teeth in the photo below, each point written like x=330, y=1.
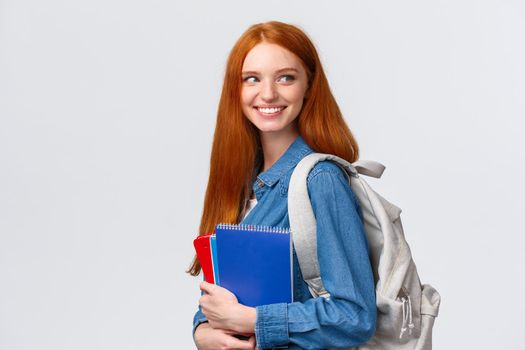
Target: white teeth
x=270, y=110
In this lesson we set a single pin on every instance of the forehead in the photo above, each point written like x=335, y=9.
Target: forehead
x=267, y=57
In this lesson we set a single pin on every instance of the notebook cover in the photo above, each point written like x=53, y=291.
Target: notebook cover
x=203, y=249
x=255, y=263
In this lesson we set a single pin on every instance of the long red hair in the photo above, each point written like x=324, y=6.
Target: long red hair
x=236, y=144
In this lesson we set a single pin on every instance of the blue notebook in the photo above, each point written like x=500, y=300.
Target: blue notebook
x=255, y=263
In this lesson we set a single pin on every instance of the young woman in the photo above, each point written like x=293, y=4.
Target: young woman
x=276, y=107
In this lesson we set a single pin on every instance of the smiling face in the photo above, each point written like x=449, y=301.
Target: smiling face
x=273, y=88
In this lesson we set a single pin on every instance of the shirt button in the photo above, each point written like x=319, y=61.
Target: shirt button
x=260, y=183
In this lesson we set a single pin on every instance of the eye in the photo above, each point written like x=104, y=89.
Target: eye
x=247, y=79
x=288, y=77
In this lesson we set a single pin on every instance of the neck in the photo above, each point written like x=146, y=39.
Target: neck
x=274, y=145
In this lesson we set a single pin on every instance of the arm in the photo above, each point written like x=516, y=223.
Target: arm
x=207, y=337
x=348, y=317
x=198, y=319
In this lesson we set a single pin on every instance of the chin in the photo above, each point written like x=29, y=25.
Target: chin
x=276, y=131
x=269, y=128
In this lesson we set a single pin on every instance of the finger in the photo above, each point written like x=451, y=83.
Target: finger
x=207, y=287
x=246, y=335
x=234, y=343
x=252, y=341
x=203, y=300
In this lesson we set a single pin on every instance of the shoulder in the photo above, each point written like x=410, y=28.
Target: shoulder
x=327, y=181
x=326, y=169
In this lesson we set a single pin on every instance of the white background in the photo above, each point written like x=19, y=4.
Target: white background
x=107, y=110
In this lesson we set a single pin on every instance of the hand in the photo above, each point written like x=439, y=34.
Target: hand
x=208, y=338
x=222, y=309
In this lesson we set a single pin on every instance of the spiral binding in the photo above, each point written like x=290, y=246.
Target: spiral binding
x=258, y=228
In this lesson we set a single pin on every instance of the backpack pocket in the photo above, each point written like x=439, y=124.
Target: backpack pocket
x=394, y=330
x=430, y=301
x=398, y=320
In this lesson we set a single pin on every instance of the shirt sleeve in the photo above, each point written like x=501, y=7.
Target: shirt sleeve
x=347, y=318
x=198, y=318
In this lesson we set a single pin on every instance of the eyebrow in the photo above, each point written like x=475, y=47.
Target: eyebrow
x=278, y=71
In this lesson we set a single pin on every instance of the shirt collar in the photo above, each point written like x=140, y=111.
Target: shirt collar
x=295, y=152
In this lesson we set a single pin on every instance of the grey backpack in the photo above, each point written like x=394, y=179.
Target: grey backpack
x=406, y=309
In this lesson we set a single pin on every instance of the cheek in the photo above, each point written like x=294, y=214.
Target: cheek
x=246, y=96
x=293, y=95
x=244, y=99
x=246, y=102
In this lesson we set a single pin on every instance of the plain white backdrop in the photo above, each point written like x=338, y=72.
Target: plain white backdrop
x=107, y=111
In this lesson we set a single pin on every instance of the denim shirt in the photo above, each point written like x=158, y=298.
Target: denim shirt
x=348, y=317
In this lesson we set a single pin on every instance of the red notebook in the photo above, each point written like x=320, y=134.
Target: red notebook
x=204, y=254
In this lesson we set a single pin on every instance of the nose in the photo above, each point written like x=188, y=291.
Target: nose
x=268, y=91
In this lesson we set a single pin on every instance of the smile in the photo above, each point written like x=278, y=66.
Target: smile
x=270, y=110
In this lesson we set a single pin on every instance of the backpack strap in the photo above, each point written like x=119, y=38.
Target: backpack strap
x=302, y=220
x=369, y=168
